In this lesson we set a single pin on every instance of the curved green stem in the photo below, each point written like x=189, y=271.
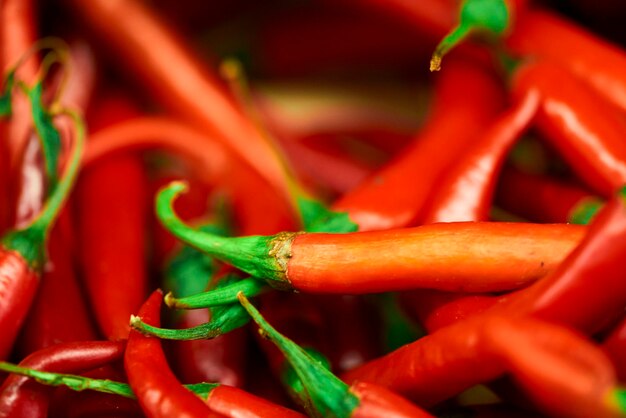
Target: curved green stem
x=328, y=394
x=80, y=383
x=223, y=320
x=222, y=296
x=255, y=255
x=30, y=241
x=485, y=16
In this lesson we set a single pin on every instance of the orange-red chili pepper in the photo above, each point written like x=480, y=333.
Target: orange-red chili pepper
x=454, y=256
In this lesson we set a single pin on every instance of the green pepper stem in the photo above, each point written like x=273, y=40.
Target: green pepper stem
x=329, y=395
x=222, y=296
x=30, y=241
x=223, y=320
x=79, y=383
x=458, y=34
x=486, y=16
x=255, y=255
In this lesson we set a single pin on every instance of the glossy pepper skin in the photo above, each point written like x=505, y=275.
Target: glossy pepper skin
x=157, y=389
x=22, y=397
x=584, y=292
x=465, y=192
x=467, y=97
x=541, y=34
x=478, y=350
x=585, y=129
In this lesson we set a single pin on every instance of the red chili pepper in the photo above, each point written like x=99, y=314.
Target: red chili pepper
x=567, y=296
x=545, y=35
x=112, y=217
x=466, y=191
x=59, y=313
x=586, y=291
x=585, y=129
x=478, y=350
x=152, y=381
x=466, y=99
x=22, y=255
x=20, y=396
x=234, y=403
x=133, y=29
x=468, y=256
x=541, y=198
x=327, y=394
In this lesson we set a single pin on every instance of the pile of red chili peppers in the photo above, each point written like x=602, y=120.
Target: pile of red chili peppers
x=275, y=209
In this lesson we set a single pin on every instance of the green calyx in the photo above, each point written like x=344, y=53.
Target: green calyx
x=221, y=296
x=80, y=383
x=316, y=217
x=260, y=256
x=30, y=240
x=327, y=393
x=484, y=16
